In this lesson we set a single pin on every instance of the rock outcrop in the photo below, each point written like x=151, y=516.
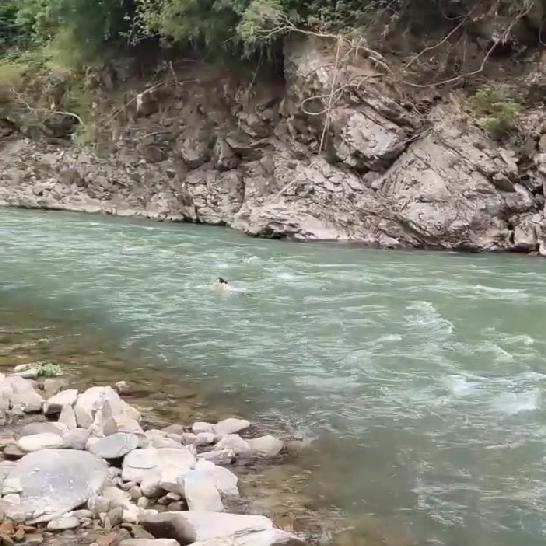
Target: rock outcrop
x=269, y=160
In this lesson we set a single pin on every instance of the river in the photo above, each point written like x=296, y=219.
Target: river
x=419, y=376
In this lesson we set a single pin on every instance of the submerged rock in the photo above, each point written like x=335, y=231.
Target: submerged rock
x=267, y=446
x=52, y=482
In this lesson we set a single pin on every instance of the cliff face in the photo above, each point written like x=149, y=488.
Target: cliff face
x=256, y=156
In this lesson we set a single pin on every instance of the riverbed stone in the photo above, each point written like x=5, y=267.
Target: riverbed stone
x=115, y=497
x=103, y=401
x=266, y=446
x=121, y=423
x=234, y=443
x=200, y=491
x=115, y=515
x=231, y=425
x=225, y=480
x=54, y=481
x=113, y=447
x=221, y=456
x=191, y=526
x=68, y=417
x=52, y=386
x=98, y=504
x=13, y=452
x=41, y=428
x=63, y=523
x=46, y=440
x=203, y=426
x=28, y=400
x=76, y=438
x=165, y=465
x=160, y=442
x=54, y=405
x=205, y=438
x=149, y=542
x=270, y=537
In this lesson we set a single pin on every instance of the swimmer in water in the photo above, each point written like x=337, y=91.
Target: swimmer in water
x=222, y=284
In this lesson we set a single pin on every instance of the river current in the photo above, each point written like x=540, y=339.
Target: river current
x=419, y=377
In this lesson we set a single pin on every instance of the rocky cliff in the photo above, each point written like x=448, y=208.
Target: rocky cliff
x=265, y=156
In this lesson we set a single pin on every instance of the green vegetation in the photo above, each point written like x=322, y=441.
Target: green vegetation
x=497, y=109
x=234, y=26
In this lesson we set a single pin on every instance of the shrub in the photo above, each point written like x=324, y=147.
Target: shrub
x=497, y=109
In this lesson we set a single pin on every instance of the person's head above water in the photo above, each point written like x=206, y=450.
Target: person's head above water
x=222, y=281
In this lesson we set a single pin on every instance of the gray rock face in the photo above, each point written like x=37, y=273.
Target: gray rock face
x=52, y=482
x=384, y=176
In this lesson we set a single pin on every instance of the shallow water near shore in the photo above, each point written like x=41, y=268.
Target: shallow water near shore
x=418, y=376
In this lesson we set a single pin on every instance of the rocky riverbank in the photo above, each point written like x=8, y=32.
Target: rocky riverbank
x=82, y=467
x=391, y=166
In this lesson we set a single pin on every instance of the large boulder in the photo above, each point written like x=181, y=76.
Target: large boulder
x=52, y=482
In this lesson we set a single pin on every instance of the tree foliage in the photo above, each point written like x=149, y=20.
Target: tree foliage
x=240, y=26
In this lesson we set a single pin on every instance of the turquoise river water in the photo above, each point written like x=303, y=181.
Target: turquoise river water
x=420, y=377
